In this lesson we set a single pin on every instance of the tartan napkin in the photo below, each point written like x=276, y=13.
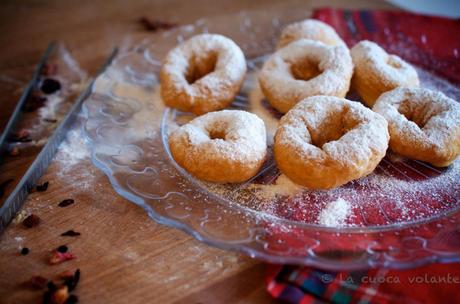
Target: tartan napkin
x=434, y=44
x=435, y=283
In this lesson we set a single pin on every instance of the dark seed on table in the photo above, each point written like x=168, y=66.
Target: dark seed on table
x=25, y=251
x=43, y=187
x=73, y=281
x=51, y=286
x=62, y=248
x=66, y=202
x=72, y=299
x=155, y=25
x=71, y=233
x=3, y=186
x=47, y=297
x=50, y=120
x=50, y=86
x=31, y=221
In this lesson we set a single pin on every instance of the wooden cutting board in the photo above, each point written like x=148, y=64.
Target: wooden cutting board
x=123, y=255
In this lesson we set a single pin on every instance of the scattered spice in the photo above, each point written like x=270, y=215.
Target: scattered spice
x=50, y=86
x=49, y=69
x=3, y=185
x=15, y=151
x=71, y=233
x=66, y=202
x=33, y=103
x=25, y=251
x=50, y=120
x=60, y=257
x=72, y=282
x=72, y=299
x=43, y=187
x=22, y=136
x=20, y=217
x=60, y=295
x=31, y=221
x=37, y=282
x=66, y=274
x=62, y=249
x=155, y=25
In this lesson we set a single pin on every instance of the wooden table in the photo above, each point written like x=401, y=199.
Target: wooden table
x=124, y=256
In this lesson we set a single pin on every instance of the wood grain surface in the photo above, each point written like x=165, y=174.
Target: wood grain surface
x=124, y=256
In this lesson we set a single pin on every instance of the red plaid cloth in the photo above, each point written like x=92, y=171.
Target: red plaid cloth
x=434, y=44
x=435, y=283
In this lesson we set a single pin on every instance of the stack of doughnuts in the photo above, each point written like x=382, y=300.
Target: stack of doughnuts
x=323, y=140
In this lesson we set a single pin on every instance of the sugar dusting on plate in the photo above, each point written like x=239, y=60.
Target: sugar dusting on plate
x=335, y=213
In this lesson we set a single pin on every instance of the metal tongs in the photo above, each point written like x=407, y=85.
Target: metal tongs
x=15, y=200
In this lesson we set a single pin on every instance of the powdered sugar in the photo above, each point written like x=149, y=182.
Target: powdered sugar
x=73, y=150
x=220, y=60
x=424, y=124
x=371, y=60
x=241, y=137
x=310, y=29
x=335, y=213
x=284, y=89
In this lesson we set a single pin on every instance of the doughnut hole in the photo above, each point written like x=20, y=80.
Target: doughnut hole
x=217, y=134
x=217, y=131
x=305, y=69
x=332, y=126
x=419, y=113
x=200, y=66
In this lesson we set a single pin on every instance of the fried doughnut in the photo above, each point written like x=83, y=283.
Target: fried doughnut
x=305, y=68
x=377, y=72
x=202, y=74
x=310, y=29
x=325, y=141
x=423, y=124
x=227, y=146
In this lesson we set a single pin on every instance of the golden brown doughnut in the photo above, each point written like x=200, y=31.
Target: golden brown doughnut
x=305, y=68
x=227, y=146
x=325, y=141
x=310, y=29
x=423, y=124
x=377, y=72
x=202, y=74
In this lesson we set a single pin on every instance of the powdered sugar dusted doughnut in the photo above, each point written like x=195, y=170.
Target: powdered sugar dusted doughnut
x=227, y=146
x=305, y=68
x=377, y=72
x=423, y=124
x=325, y=141
x=202, y=74
x=310, y=29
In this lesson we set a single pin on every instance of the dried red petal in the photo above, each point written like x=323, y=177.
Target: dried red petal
x=38, y=282
x=49, y=69
x=15, y=151
x=67, y=274
x=59, y=257
x=31, y=221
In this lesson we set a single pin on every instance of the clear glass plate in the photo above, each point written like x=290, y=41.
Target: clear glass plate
x=404, y=214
